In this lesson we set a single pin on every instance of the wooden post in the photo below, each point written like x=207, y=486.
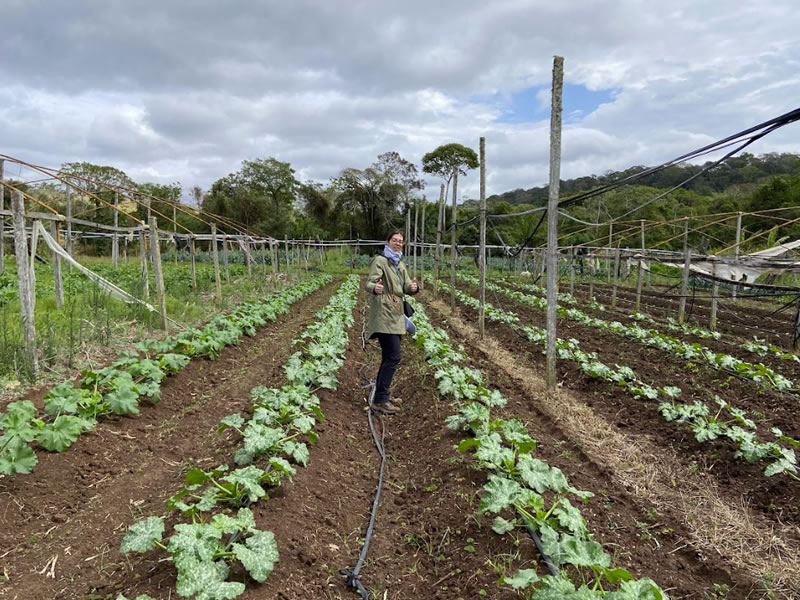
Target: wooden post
x=57, y=268
x=246, y=254
x=616, y=278
x=143, y=257
x=482, y=243
x=422, y=247
x=453, y=245
x=2, y=220
x=572, y=271
x=552, y=219
x=286, y=251
x=407, y=234
x=225, y=257
x=273, y=248
x=70, y=248
x=27, y=296
x=685, y=277
x=438, y=250
x=591, y=279
x=264, y=258
x=115, y=235
x=714, y=294
x=640, y=274
x=215, y=257
x=175, y=229
x=608, y=262
x=155, y=250
x=415, y=244
x=193, y=256
x=736, y=250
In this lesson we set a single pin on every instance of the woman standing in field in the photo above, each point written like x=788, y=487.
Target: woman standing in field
x=388, y=282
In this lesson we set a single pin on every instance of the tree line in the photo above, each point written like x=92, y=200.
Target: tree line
x=267, y=197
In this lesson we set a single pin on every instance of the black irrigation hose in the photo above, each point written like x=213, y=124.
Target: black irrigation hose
x=353, y=580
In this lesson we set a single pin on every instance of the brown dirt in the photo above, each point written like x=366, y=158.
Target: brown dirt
x=429, y=540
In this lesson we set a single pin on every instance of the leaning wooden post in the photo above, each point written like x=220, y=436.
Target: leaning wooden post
x=155, y=250
x=192, y=252
x=482, y=248
x=2, y=220
x=736, y=250
x=685, y=277
x=57, y=267
x=640, y=274
x=552, y=219
x=616, y=278
x=115, y=235
x=712, y=325
x=453, y=246
x=26, y=292
x=143, y=260
x=215, y=258
x=438, y=251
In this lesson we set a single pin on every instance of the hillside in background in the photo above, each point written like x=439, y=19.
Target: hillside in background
x=739, y=174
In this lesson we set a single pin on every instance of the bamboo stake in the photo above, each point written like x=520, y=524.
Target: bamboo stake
x=482, y=250
x=453, y=246
x=438, y=251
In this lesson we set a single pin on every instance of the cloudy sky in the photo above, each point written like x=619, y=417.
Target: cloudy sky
x=184, y=90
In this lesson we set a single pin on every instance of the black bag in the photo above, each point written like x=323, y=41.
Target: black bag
x=408, y=310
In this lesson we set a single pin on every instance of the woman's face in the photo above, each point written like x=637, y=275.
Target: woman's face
x=396, y=243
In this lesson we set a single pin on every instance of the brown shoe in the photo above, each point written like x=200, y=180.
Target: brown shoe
x=386, y=408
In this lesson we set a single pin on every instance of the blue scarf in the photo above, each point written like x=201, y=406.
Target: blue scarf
x=394, y=257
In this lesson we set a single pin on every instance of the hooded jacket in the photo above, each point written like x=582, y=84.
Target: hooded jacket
x=386, y=310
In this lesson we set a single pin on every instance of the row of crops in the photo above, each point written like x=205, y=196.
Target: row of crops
x=525, y=492
x=207, y=539
x=75, y=406
x=714, y=419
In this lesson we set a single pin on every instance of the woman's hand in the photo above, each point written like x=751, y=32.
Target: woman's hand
x=414, y=287
x=379, y=287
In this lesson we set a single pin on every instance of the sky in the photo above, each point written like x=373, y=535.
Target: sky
x=185, y=90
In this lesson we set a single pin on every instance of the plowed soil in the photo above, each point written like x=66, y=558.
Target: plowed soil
x=61, y=527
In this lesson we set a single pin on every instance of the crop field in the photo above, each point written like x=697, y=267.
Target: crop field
x=236, y=459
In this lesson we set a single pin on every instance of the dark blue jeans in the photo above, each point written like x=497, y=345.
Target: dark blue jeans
x=390, y=358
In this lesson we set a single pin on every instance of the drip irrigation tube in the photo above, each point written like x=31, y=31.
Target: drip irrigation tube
x=353, y=580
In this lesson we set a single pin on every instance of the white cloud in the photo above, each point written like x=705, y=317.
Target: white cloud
x=186, y=90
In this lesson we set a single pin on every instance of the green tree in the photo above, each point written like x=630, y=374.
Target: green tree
x=448, y=161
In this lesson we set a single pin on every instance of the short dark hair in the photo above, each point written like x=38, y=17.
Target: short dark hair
x=394, y=233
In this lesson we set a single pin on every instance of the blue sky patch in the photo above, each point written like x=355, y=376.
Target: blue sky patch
x=533, y=103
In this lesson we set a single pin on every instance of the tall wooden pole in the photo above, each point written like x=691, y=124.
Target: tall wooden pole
x=416, y=235
x=453, y=245
x=552, y=218
x=155, y=252
x=143, y=262
x=57, y=268
x=26, y=292
x=422, y=247
x=69, y=247
x=215, y=258
x=640, y=274
x=115, y=235
x=685, y=277
x=482, y=249
x=736, y=249
x=192, y=252
x=438, y=250
x=2, y=220
x=407, y=234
